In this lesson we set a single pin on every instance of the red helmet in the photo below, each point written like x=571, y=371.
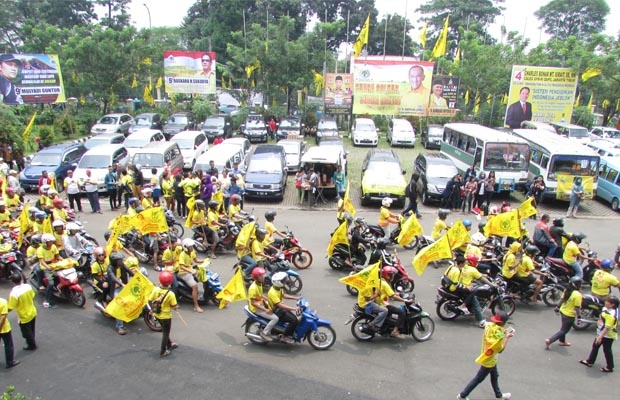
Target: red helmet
x=258, y=271
x=472, y=260
x=165, y=278
x=388, y=272
x=10, y=190
x=58, y=202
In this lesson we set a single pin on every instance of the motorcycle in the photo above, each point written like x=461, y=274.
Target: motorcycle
x=147, y=315
x=340, y=256
x=417, y=323
x=70, y=290
x=142, y=245
x=175, y=228
x=292, y=285
x=227, y=236
x=293, y=252
x=318, y=332
x=12, y=261
x=211, y=286
x=73, y=218
x=490, y=297
x=550, y=292
x=591, y=308
x=377, y=232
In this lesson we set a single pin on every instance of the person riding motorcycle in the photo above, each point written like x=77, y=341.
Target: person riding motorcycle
x=5, y=215
x=187, y=258
x=73, y=242
x=235, y=213
x=98, y=270
x=469, y=274
x=603, y=280
x=38, y=227
x=147, y=198
x=440, y=224
x=170, y=258
x=572, y=254
x=118, y=275
x=259, y=244
x=258, y=303
x=58, y=210
x=199, y=220
x=58, y=228
x=133, y=202
x=475, y=246
x=358, y=241
x=558, y=234
x=386, y=217
x=511, y=260
x=31, y=254
x=526, y=271
x=366, y=301
x=12, y=200
x=47, y=255
x=44, y=203
x=275, y=295
x=387, y=276
x=270, y=216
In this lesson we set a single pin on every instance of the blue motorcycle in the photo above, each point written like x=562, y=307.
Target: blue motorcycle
x=318, y=332
x=279, y=263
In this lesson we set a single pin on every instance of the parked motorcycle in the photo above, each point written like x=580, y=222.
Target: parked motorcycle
x=417, y=322
x=293, y=252
x=318, y=332
x=71, y=289
x=591, y=308
x=227, y=236
x=494, y=298
x=175, y=228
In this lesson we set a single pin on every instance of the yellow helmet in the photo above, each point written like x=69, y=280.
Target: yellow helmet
x=132, y=263
x=515, y=247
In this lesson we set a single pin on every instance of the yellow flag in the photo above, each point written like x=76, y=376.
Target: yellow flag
x=591, y=101
x=245, y=234
x=457, y=235
x=234, y=290
x=159, y=82
x=505, y=98
x=28, y=129
x=489, y=98
x=134, y=83
x=605, y=103
x=318, y=82
x=492, y=343
x=467, y=97
x=526, y=209
x=578, y=100
x=442, y=42
x=436, y=251
x=23, y=224
x=362, y=38
x=422, y=36
x=147, y=61
x=348, y=204
x=190, y=210
x=409, y=230
x=53, y=181
x=128, y=304
x=457, y=57
x=219, y=197
x=224, y=83
x=504, y=224
x=339, y=236
x=477, y=103
x=358, y=280
x=47, y=226
x=148, y=96
x=590, y=73
x=151, y=220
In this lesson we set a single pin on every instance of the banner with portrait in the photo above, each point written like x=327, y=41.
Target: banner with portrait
x=444, y=95
x=391, y=87
x=565, y=187
x=338, y=93
x=542, y=94
x=30, y=79
x=189, y=72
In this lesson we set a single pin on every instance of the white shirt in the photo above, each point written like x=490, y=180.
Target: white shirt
x=90, y=184
x=72, y=185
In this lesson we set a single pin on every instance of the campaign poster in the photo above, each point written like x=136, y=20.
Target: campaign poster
x=392, y=87
x=443, y=97
x=542, y=94
x=338, y=93
x=189, y=72
x=30, y=79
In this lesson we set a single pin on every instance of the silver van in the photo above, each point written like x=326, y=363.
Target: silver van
x=158, y=155
x=223, y=155
x=432, y=136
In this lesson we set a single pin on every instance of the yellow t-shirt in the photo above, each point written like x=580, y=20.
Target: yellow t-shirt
x=99, y=269
x=492, y=345
x=212, y=219
x=570, y=252
x=258, y=247
x=169, y=301
x=568, y=307
x=524, y=268
x=4, y=311
x=58, y=237
x=469, y=274
x=368, y=291
x=386, y=293
x=31, y=251
x=233, y=209
x=167, y=188
x=12, y=202
x=59, y=213
x=609, y=319
x=21, y=299
x=147, y=203
x=47, y=255
x=188, y=187
x=453, y=273
x=602, y=281
x=186, y=260
x=508, y=268
x=170, y=259
x=270, y=228
x=131, y=211
x=198, y=218
x=473, y=250
x=438, y=228
x=38, y=227
x=384, y=214
x=274, y=296
x=255, y=293
x=5, y=217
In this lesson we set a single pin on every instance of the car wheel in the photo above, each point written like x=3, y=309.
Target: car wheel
x=614, y=204
x=425, y=199
x=365, y=202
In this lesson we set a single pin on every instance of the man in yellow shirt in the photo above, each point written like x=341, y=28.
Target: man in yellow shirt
x=21, y=299
x=48, y=254
x=494, y=341
x=440, y=224
x=213, y=218
x=168, y=302
x=270, y=216
x=386, y=217
x=526, y=272
x=259, y=304
x=5, y=215
x=132, y=203
x=415, y=100
x=5, y=334
x=98, y=270
x=603, y=280
x=572, y=254
x=58, y=210
x=387, y=294
x=569, y=309
x=469, y=274
x=186, y=273
x=282, y=310
x=511, y=260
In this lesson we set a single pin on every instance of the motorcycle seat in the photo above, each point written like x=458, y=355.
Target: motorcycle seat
x=557, y=261
x=449, y=295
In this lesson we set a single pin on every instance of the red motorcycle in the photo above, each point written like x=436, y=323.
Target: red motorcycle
x=71, y=289
x=294, y=253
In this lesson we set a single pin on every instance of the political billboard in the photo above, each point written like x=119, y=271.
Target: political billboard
x=30, y=79
x=391, y=86
x=338, y=93
x=543, y=94
x=444, y=95
x=189, y=72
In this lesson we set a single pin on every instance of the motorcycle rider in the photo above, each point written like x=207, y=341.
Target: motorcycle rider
x=475, y=246
x=258, y=250
x=558, y=233
x=572, y=254
x=282, y=310
x=199, y=220
x=38, y=227
x=386, y=217
x=44, y=203
x=47, y=255
x=58, y=210
x=187, y=258
x=542, y=237
x=603, y=280
x=440, y=224
x=270, y=216
x=511, y=260
x=387, y=293
x=31, y=255
x=147, y=198
x=366, y=301
x=133, y=202
x=214, y=225
x=59, y=233
x=170, y=258
x=234, y=209
x=358, y=240
x=73, y=242
x=5, y=215
x=469, y=274
x=12, y=200
x=258, y=303
x=118, y=276
x=98, y=270
x=526, y=271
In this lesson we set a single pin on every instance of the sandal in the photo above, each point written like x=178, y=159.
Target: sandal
x=605, y=369
x=547, y=344
x=565, y=344
x=584, y=362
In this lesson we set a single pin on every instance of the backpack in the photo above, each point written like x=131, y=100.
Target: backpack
x=408, y=190
x=156, y=304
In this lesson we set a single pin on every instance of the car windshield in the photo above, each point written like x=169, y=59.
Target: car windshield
x=441, y=171
x=143, y=121
x=612, y=133
x=435, y=131
x=506, y=156
x=328, y=125
x=136, y=143
x=178, y=119
x=214, y=123
x=387, y=168
x=289, y=123
x=92, y=142
x=185, y=144
x=579, y=133
x=94, y=161
x=365, y=127
x=148, y=160
x=290, y=148
x=266, y=166
x=573, y=165
x=107, y=120
x=45, y=159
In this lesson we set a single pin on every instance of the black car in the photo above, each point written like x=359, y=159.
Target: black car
x=219, y=125
x=435, y=171
x=289, y=126
x=179, y=122
x=147, y=121
x=265, y=176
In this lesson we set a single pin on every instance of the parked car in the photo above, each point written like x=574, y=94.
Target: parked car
x=178, y=122
x=336, y=141
x=435, y=171
x=432, y=136
x=192, y=145
x=228, y=109
x=364, y=132
x=113, y=123
x=223, y=155
x=294, y=150
x=141, y=138
x=605, y=147
x=574, y=132
x=57, y=159
x=158, y=155
x=217, y=125
x=604, y=132
x=289, y=125
x=265, y=176
x=400, y=132
x=243, y=143
x=326, y=127
x=251, y=119
x=256, y=131
x=383, y=176
x=104, y=138
x=97, y=161
x=542, y=126
x=147, y=121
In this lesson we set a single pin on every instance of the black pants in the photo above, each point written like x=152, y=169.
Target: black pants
x=483, y=372
x=166, y=343
x=609, y=355
x=74, y=199
x=412, y=206
x=126, y=197
x=112, y=197
x=119, y=197
x=7, y=339
x=28, y=334
x=290, y=319
x=567, y=323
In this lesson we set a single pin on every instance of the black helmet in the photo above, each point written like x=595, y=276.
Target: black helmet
x=359, y=220
x=442, y=213
x=614, y=300
x=578, y=237
x=481, y=226
x=382, y=243
x=270, y=215
x=576, y=282
x=558, y=222
x=35, y=239
x=213, y=204
x=107, y=235
x=115, y=258
x=531, y=250
x=260, y=234
x=459, y=259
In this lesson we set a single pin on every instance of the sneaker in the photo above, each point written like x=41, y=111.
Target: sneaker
x=46, y=304
x=165, y=354
x=505, y=396
x=174, y=346
x=482, y=323
x=458, y=397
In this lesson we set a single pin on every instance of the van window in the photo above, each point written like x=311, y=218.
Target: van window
x=72, y=155
x=544, y=161
x=602, y=171
x=199, y=140
x=612, y=176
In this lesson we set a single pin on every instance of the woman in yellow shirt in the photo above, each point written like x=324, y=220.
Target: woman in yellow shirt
x=606, y=333
x=569, y=308
x=440, y=224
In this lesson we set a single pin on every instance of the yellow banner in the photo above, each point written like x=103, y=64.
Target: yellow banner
x=234, y=290
x=457, y=235
x=23, y=224
x=339, y=236
x=128, y=304
x=565, y=186
x=359, y=280
x=526, y=209
x=348, y=205
x=409, y=230
x=436, y=251
x=190, y=210
x=151, y=220
x=504, y=224
x=245, y=234
x=63, y=264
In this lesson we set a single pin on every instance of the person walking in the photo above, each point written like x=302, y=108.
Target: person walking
x=576, y=194
x=569, y=309
x=167, y=302
x=111, y=182
x=490, y=187
x=494, y=341
x=21, y=299
x=411, y=191
x=92, y=192
x=469, y=191
x=606, y=333
x=5, y=334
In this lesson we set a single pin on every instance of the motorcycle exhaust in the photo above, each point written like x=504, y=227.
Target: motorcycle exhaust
x=99, y=306
x=351, y=318
x=254, y=336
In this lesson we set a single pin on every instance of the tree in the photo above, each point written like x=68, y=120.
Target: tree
x=579, y=18
x=390, y=41
x=118, y=16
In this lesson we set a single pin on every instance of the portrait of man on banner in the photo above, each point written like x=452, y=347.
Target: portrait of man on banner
x=520, y=110
x=9, y=72
x=414, y=99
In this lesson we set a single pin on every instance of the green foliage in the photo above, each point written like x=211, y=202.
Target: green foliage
x=45, y=132
x=583, y=117
x=202, y=108
x=390, y=40
x=65, y=124
x=381, y=123
x=10, y=394
x=11, y=127
x=85, y=117
x=562, y=19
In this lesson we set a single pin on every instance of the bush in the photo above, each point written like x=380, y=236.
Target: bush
x=66, y=125
x=10, y=394
x=85, y=118
x=45, y=132
x=202, y=109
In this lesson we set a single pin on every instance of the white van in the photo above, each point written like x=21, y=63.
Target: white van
x=97, y=161
x=326, y=160
x=192, y=144
x=158, y=155
x=400, y=132
x=223, y=155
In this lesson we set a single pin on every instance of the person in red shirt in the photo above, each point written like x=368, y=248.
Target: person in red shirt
x=218, y=140
x=272, y=127
x=44, y=180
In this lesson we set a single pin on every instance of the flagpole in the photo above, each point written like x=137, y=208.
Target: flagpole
x=387, y=18
x=404, y=29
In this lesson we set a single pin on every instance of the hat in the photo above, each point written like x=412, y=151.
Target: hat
x=12, y=172
x=10, y=57
x=88, y=171
x=501, y=317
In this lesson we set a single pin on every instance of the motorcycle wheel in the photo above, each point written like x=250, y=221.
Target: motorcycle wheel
x=200, y=247
x=333, y=264
x=293, y=285
x=423, y=329
x=254, y=327
x=352, y=291
x=406, y=285
x=150, y=320
x=77, y=298
x=580, y=324
x=506, y=304
x=356, y=328
x=176, y=229
x=143, y=258
x=323, y=338
x=552, y=296
x=444, y=312
x=302, y=259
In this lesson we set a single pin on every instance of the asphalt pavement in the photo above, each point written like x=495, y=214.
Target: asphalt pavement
x=80, y=355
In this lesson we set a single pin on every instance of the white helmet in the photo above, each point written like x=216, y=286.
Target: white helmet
x=187, y=243
x=72, y=226
x=146, y=191
x=47, y=237
x=478, y=239
x=57, y=222
x=277, y=278
x=386, y=202
x=51, y=192
x=45, y=188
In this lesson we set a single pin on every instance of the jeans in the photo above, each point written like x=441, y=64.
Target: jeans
x=166, y=343
x=481, y=376
x=7, y=339
x=472, y=301
x=400, y=322
x=381, y=312
x=112, y=197
x=273, y=321
x=609, y=355
x=412, y=206
x=567, y=323
x=74, y=199
x=28, y=334
x=552, y=249
x=93, y=199
x=577, y=268
x=250, y=264
x=118, y=324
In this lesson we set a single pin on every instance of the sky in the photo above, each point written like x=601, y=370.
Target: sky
x=518, y=16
